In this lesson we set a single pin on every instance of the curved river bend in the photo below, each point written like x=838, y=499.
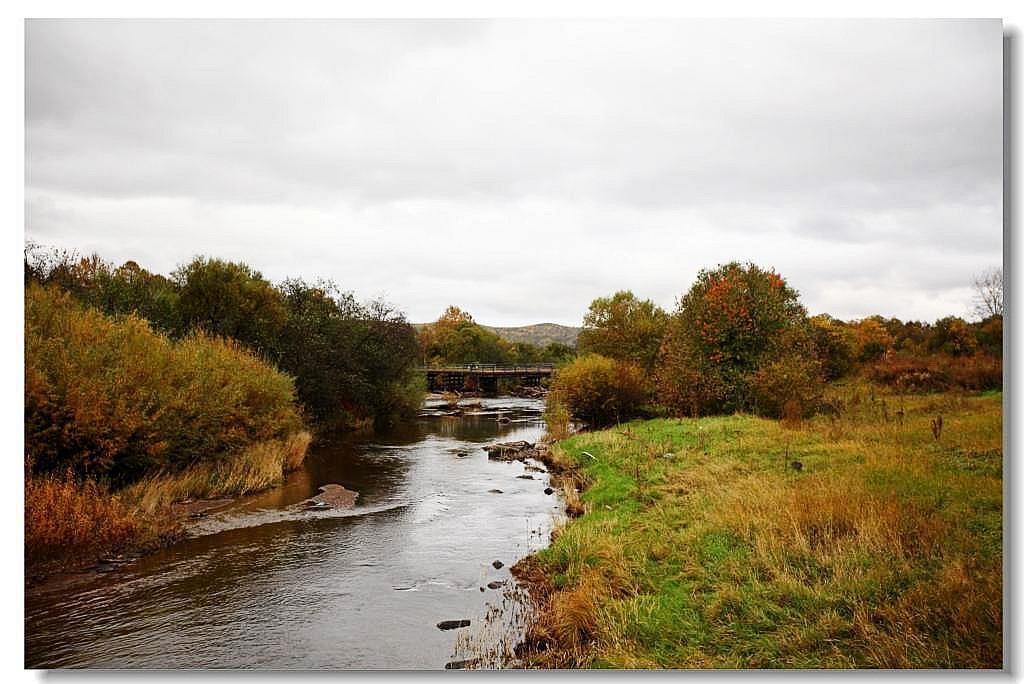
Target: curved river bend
x=264, y=584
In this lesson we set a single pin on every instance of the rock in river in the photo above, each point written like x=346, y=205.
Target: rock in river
x=452, y=624
x=498, y=565
x=511, y=451
x=332, y=496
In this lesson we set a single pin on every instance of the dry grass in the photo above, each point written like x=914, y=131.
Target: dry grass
x=703, y=546
x=256, y=468
x=68, y=519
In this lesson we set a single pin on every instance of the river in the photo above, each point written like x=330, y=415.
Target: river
x=265, y=584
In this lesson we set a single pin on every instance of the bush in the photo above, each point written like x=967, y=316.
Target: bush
x=733, y=320
x=938, y=372
x=790, y=387
x=599, y=391
x=114, y=399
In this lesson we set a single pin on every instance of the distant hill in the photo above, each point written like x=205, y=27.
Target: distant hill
x=538, y=333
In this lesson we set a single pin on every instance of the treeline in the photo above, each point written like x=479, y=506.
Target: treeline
x=351, y=362
x=740, y=340
x=455, y=338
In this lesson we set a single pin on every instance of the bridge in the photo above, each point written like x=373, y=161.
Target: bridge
x=484, y=377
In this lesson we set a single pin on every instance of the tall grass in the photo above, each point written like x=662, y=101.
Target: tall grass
x=703, y=545
x=256, y=468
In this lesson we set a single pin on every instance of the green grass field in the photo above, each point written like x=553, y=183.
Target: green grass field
x=702, y=546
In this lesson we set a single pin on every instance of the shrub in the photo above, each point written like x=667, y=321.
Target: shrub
x=732, y=321
x=67, y=518
x=938, y=372
x=116, y=399
x=790, y=387
x=556, y=418
x=598, y=390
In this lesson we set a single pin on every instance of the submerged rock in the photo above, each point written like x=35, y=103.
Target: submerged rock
x=495, y=491
x=524, y=477
x=495, y=585
x=549, y=490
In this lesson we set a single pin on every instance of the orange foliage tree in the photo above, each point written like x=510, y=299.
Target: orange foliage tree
x=735, y=319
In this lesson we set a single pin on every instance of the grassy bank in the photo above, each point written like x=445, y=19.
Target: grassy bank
x=702, y=545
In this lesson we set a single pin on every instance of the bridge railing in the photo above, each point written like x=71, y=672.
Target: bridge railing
x=491, y=367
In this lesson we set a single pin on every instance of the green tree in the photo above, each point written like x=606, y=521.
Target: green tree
x=833, y=346
x=624, y=327
x=232, y=300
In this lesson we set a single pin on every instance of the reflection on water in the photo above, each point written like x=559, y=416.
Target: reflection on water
x=265, y=585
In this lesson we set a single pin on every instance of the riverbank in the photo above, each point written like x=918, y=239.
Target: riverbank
x=74, y=524
x=871, y=537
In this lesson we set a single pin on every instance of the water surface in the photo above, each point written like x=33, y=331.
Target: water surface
x=266, y=584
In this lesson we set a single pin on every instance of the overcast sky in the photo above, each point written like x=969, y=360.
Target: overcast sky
x=520, y=169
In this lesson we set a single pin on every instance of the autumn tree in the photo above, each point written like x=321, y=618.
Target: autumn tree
x=871, y=338
x=456, y=338
x=624, y=327
x=735, y=320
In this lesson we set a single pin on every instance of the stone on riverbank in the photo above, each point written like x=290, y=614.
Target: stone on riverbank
x=511, y=451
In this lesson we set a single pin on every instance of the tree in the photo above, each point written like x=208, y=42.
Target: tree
x=735, y=319
x=456, y=338
x=833, y=346
x=952, y=335
x=871, y=338
x=988, y=293
x=231, y=300
x=624, y=327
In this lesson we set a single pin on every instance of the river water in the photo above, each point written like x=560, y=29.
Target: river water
x=266, y=584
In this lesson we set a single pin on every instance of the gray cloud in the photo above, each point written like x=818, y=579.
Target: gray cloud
x=522, y=168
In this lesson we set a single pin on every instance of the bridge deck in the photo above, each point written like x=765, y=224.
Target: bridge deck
x=492, y=369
